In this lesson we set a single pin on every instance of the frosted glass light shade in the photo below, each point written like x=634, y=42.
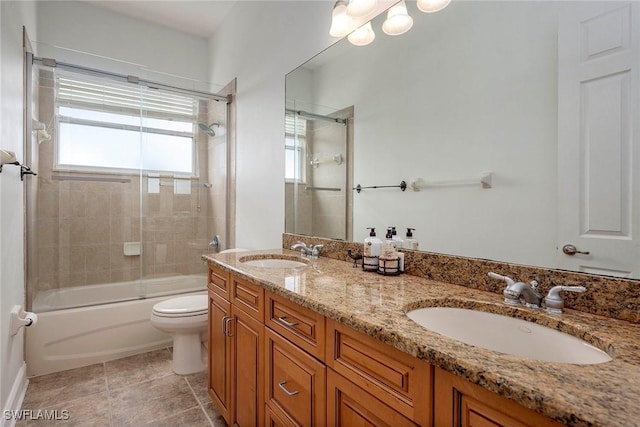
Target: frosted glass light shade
x=398, y=20
x=430, y=6
x=363, y=35
x=361, y=7
x=340, y=20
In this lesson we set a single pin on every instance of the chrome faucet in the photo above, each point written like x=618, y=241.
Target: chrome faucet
x=553, y=303
x=515, y=290
x=310, y=251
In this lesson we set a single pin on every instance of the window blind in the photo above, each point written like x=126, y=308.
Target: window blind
x=103, y=95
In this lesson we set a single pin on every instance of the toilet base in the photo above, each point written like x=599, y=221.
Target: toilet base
x=187, y=354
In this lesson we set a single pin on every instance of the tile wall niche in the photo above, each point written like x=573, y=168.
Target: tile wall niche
x=605, y=296
x=81, y=226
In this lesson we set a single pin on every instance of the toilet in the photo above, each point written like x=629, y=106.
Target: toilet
x=185, y=318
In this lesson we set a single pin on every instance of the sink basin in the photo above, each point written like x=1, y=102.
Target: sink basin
x=508, y=335
x=271, y=261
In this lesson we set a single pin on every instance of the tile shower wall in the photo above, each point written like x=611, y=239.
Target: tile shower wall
x=81, y=226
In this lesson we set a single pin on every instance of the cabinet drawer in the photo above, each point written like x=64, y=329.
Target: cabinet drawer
x=248, y=296
x=459, y=402
x=401, y=381
x=349, y=405
x=219, y=281
x=302, y=326
x=295, y=383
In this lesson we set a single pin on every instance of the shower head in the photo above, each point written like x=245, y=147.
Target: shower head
x=208, y=128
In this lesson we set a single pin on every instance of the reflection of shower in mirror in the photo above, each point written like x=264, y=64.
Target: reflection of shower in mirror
x=317, y=161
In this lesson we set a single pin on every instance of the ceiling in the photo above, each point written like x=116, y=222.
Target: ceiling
x=200, y=17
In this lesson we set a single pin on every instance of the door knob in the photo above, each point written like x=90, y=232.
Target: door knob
x=572, y=250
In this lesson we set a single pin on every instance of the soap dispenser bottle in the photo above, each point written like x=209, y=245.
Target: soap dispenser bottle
x=409, y=242
x=398, y=241
x=371, y=251
x=389, y=260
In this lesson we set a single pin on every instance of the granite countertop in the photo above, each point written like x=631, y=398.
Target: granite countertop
x=577, y=395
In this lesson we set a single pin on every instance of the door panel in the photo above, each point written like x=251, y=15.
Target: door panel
x=598, y=92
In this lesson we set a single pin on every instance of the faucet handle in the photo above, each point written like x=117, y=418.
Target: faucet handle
x=553, y=301
x=315, y=250
x=509, y=281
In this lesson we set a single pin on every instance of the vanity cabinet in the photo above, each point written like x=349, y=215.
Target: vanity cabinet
x=460, y=403
x=274, y=362
x=236, y=348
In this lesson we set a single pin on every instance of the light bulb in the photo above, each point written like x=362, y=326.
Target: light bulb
x=398, y=20
x=340, y=20
x=430, y=6
x=363, y=35
x=358, y=8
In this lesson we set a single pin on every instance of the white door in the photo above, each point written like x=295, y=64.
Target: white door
x=598, y=137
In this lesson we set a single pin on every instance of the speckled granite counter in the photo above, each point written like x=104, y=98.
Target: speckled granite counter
x=578, y=395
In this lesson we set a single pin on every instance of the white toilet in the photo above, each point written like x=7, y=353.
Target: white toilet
x=185, y=319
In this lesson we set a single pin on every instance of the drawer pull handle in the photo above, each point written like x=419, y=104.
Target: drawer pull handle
x=226, y=326
x=286, y=322
x=283, y=388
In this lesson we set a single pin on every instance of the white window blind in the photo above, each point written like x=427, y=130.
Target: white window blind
x=84, y=92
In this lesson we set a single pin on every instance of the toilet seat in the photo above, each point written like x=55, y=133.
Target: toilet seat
x=187, y=306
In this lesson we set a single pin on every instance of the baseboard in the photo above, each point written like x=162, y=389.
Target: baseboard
x=16, y=397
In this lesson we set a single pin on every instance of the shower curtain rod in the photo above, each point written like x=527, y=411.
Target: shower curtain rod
x=316, y=116
x=50, y=62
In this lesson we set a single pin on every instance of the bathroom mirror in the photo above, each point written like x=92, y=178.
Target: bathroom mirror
x=508, y=151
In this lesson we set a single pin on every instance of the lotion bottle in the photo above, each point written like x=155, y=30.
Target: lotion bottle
x=409, y=242
x=372, y=248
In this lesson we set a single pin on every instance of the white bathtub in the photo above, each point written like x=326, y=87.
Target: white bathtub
x=102, y=328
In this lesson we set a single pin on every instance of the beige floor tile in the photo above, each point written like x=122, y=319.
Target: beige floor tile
x=198, y=383
x=192, y=418
x=138, y=368
x=214, y=415
x=89, y=411
x=152, y=400
x=60, y=387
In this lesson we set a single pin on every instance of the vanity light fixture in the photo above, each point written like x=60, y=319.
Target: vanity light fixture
x=359, y=8
x=398, y=20
x=340, y=20
x=430, y=6
x=363, y=35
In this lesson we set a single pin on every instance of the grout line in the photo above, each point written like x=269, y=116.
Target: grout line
x=199, y=402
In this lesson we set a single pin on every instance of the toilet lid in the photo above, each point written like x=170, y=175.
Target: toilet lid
x=190, y=305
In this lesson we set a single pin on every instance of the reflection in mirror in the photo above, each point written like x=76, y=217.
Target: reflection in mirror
x=318, y=171
x=540, y=94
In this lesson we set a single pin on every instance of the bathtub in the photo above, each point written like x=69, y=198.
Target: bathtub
x=84, y=325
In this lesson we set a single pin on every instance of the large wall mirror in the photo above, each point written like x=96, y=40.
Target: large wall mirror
x=514, y=125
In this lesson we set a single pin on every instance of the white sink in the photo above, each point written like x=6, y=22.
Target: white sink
x=508, y=335
x=270, y=262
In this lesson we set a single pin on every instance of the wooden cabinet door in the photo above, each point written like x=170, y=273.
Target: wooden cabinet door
x=248, y=369
x=295, y=383
x=349, y=405
x=220, y=354
x=459, y=403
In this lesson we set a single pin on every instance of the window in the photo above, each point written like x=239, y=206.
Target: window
x=294, y=148
x=110, y=126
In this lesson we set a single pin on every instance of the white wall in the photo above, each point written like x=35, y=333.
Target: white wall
x=259, y=43
x=13, y=15
x=83, y=34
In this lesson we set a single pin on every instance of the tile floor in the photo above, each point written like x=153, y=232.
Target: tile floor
x=134, y=391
